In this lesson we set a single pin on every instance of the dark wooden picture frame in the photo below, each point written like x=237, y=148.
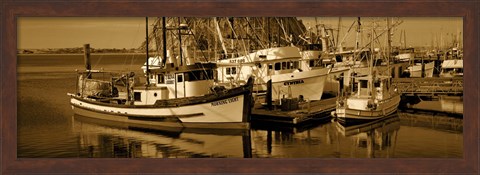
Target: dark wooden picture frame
x=10, y=10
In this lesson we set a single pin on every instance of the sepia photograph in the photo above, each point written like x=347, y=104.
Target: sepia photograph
x=240, y=87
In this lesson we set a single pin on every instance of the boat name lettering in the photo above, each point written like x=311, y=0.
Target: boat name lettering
x=237, y=61
x=224, y=102
x=293, y=82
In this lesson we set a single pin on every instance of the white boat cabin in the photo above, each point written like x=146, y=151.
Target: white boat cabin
x=265, y=64
x=176, y=82
x=262, y=63
x=367, y=92
x=452, y=68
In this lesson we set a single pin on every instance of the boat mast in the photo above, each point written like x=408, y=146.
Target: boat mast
x=146, y=47
x=219, y=32
x=164, y=40
x=268, y=32
x=389, y=42
x=337, y=44
x=358, y=33
x=180, y=42
x=371, y=89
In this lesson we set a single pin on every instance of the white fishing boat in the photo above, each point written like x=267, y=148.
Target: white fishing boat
x=452, y=68
x=284, y=66
x=416, y=69
x=173, y=96
x=372, y=96
x=373, y=99
x=316, y=56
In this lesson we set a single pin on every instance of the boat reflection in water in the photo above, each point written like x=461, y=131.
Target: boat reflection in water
x=452, y=104
x=99, y=138
x=379, y=135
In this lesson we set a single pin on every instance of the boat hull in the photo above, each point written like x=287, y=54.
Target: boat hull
x=331, y=84
x=346, y=115
x=309, y=84
x=416, y=70
x=230, y=112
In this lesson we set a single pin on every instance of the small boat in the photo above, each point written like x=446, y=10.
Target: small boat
x=173, y=96
x=373, y=99
x=372, y=96
x=452, y=68
x=405, y=55
x=416, y=69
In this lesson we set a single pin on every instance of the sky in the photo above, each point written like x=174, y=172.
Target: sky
x=129, y=32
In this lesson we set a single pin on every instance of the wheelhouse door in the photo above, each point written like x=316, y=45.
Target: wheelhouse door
x=179, y=85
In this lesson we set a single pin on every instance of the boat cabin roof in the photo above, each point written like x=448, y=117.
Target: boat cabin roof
x=379, y=77
x=169, y=68
x=452, y=64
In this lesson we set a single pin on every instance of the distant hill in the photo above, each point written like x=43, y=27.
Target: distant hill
x=76, y=50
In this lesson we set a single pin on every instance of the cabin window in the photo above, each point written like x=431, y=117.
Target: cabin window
x=170, y=76
x=234, y=70
x=377, y=84
x=363, y=83
x=179, y=78
x=315, y=63
x=137, y=96
x=284, y=65
x=210, y=74
x=295, y=65
x=363, y=87
x=199, y=75
x=338, y=58
x=170, y=79
x=270, y=66
x=277, y=66
x=161, y=79
x=400, y=70
x=227, y=71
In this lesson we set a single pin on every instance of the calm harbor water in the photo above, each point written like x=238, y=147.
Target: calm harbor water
x=48, y=128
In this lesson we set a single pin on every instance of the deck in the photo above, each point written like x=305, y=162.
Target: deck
x=314, y=110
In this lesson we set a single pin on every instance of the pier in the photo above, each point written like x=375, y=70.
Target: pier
x=312, y=110
x=431, y=86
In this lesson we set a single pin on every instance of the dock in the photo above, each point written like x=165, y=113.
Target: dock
x=308, y=111
x=431, y=86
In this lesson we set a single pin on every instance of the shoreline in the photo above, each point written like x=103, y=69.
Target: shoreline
x=26, y=54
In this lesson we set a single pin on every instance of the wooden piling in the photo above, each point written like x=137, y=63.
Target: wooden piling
x=268, y=98
x=86, y=57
